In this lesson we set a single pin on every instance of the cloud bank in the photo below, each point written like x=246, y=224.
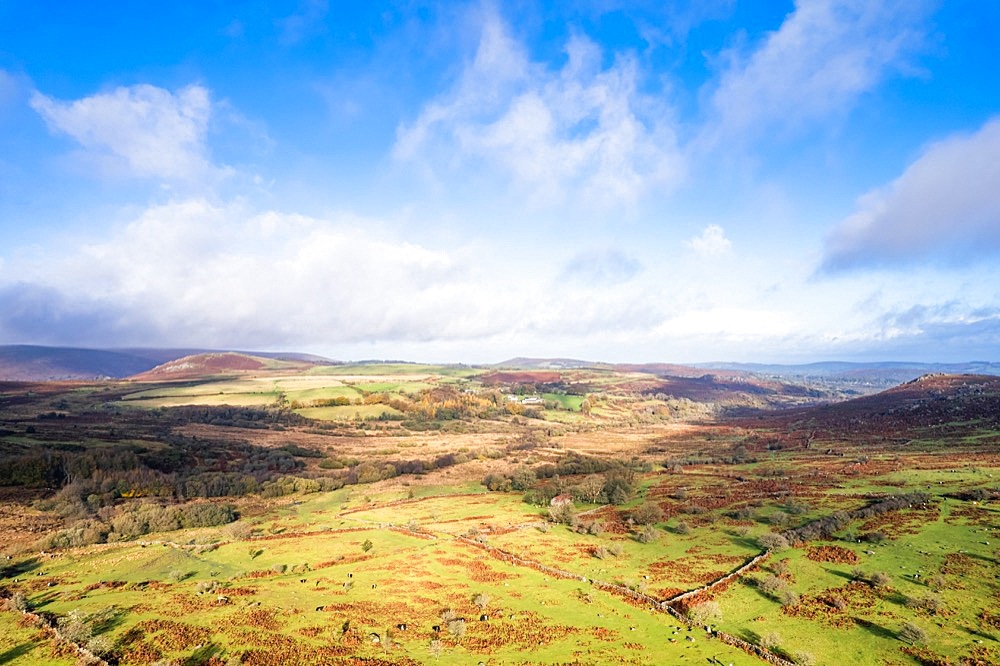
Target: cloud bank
x=944, y=206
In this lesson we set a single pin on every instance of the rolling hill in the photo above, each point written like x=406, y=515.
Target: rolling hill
x=30, y=363
x=932, y=403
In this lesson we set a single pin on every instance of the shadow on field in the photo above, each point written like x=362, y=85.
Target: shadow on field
x=108, y=619
x=18, y=651
x=978, y=633
x=754, y=637
x=895, y=597
x=745, y=542
x=204, y=655
x=841, y=574
x=43, y=600
x=875, y=629
x=19, y=568
x=984, y=558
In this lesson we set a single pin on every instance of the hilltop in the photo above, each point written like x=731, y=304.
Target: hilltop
x=211, y=364
x=30, y=363
x=937, y=406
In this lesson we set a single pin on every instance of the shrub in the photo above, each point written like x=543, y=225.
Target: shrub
x=481, y=600
x=562, y=513
x=911, y=633
x=456, y=628
x=788, y=597
x=880, y=579
x=497, y=482
x=803, y=658
x=615, y=549
x=177, y=575
x=648, y=534
x=683, y=528
x=647, y=514
x=19, y=602
x=522, y=478
x=705, y=612
x=932, y=603
x=772, y=541
x=100, y=646
x=937, y=582
x=75, y=627
x=770, y=640
x=367, y=545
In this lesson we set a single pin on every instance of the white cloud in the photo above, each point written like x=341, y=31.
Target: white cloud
x=825, y=55
x=194, y=273
x=946, y=205
x=711, y=243
x=731, y=324
x=139, y=131
x=582, y=133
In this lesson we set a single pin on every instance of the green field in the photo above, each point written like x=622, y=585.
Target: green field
x=315, y=534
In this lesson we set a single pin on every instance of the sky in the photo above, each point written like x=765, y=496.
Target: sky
x=713, y=180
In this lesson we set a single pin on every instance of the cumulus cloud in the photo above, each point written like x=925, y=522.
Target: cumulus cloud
x=711, y=243
x=825, y=55
x=199, y=274
x=945, y=205
x=139, y=131
x=583, y=131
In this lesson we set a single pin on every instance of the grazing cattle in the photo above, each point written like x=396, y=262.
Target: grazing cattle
x=374, y=586
x=436, y=628
x=401, y=627
x=350, y=575
x=484, y=618
x=319, y=608
x=302, y=580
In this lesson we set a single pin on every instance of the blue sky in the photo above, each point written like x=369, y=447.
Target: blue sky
x=675, y=181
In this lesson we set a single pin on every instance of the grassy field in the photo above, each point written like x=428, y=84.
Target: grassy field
x=349, y=529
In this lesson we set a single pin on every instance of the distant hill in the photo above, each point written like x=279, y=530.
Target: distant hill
x=880, y=373
x=31, y=363
x=218, y=363
x=522, y=363
x=675, y=370
x=930, y=403
x=37, y=363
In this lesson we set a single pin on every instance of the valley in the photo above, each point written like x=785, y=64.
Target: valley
x=235, y=509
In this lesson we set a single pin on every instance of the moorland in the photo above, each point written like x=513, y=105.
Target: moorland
x=237, y=509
